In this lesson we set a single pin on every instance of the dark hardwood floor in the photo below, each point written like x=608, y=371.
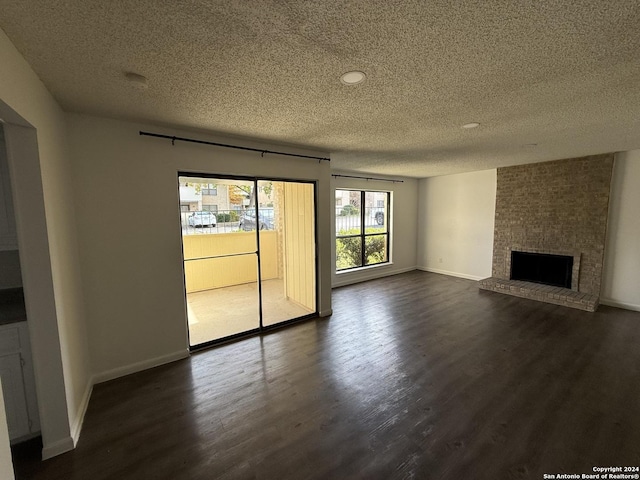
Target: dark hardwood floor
x=414, y=376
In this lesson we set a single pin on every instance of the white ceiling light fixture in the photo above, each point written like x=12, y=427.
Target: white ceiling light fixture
x=353, y=78
x=470, y=125
x=137, y=80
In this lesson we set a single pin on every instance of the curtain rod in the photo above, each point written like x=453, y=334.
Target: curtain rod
x=370, y=178
x=203, y=142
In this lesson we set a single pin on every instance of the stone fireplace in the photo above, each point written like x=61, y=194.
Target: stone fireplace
x=547, y=211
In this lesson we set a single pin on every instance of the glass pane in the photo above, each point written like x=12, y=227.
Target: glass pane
x=347, y=212
x=375, y=249
x=265, y=216
x=222, y=297
x=287, y=250
x=348, y=252
x=375, y=215
x=202, y=213
x=220, y=260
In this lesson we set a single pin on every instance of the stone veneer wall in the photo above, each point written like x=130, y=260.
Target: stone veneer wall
x=554, y=207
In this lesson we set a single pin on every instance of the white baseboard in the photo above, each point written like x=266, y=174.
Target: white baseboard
x=69, y=443
x=139, y=366
x=365, y=275
x=57, y=448
x=76, y=428
x=613, y=303
x=451, y=274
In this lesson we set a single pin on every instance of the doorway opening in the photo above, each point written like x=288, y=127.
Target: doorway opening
x=249, y=253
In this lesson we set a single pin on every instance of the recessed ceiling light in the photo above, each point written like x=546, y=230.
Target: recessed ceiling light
x=471, y=125
x=352, y=78
x=139, y=81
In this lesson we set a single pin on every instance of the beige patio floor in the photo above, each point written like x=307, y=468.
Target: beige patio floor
x=221, y=312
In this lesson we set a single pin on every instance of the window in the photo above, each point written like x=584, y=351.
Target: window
x=210, y=189
x=210, y=208
x=362, y=228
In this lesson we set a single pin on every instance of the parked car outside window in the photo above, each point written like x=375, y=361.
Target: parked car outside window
x=377, y=213
x=200, y=219
x=248, y=220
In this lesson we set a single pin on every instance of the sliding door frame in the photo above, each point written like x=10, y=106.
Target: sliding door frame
x=261, y=328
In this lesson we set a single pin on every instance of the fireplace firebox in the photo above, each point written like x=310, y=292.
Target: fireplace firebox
x=542, y=268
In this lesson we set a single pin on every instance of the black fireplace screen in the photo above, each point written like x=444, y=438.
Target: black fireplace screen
x=542, y=268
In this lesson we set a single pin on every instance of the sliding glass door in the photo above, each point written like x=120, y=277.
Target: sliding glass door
x=249, y=254
x=290, y=290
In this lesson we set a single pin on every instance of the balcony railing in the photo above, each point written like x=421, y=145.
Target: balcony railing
x=349, y=218
x=202, y=222
x=226, y=221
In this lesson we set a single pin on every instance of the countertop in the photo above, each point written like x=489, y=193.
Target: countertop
x=12, y=308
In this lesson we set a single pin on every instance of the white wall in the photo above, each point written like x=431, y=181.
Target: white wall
x=455, y=227
x=621, y=282
x=404, y=216
x=41, y=181
x=126, y=190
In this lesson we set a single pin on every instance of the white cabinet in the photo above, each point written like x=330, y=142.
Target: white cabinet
x=8, y=237
x=14, y=398
x=18, y=385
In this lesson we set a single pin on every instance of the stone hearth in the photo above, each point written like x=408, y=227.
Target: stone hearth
x=542, y=293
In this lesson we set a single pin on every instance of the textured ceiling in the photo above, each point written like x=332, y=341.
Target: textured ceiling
x=562, y=74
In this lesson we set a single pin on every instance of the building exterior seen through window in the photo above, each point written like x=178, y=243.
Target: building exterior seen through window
x=224, y=206
x=362, y=228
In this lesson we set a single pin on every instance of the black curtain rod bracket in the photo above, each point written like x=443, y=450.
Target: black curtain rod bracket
x=237, y=147
x=369, y=178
